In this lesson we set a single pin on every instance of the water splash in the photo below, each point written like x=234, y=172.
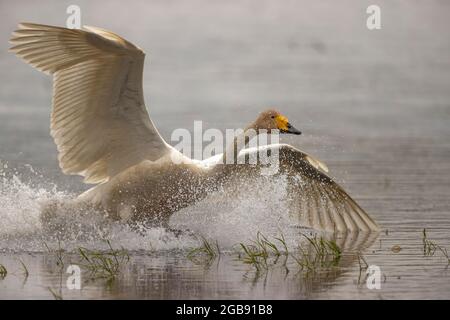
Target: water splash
x=232, y=217
x=21, y=229
x=229, y=218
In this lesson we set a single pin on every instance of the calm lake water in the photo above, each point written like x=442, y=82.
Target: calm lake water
x=373, y=105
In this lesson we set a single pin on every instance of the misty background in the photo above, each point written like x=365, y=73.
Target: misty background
x=371, y=96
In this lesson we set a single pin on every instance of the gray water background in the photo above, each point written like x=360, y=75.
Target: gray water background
x=373, y=105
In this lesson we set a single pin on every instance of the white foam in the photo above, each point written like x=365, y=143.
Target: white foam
x=227, y=218
x=259, y=206
x=21, y=228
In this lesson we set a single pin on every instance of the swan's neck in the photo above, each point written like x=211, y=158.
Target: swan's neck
x=240, y=141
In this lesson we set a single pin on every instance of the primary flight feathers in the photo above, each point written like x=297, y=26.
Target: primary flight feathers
x=99, y=120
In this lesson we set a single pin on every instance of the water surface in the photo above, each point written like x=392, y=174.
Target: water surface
x=373, y=105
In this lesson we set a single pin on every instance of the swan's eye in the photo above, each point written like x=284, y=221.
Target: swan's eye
x=273, y=117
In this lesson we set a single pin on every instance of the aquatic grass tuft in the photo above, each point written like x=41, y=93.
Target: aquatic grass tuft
x=444, y=252
x=55, y=295
x=255, y=256
x=282, y=240
x=324, y=247
x=59, y=254
x=104, y=264
x=429, y=247
x=260, y=249
x=25, y=269
x=3, y=272
x=304, y=261
x=325, y=253
x=207, y=250
x=264, y=243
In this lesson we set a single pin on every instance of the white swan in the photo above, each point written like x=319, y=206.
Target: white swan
x=103, y=132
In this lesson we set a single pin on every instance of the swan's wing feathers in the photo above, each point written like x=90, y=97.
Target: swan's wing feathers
x=99, y=120
x=316, y=163
x=322, y=203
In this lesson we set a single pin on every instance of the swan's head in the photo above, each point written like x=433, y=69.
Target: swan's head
x=272, y=120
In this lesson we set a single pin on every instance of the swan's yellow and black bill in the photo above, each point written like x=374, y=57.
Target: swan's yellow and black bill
x=292, y=130
x=285, y=127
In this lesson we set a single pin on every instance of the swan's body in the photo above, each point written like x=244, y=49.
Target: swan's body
x=103, y=132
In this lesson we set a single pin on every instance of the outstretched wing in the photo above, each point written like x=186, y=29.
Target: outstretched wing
x=313, y=198
x=99, y=121
x=321, y=202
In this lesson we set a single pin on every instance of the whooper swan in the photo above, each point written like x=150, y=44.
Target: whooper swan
x=103, y=132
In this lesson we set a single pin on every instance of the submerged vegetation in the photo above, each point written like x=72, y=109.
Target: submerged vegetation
x=56, y=296
x=3, y=272
x=259, y=250
x=323, y=253
x=263, y=252
x=104, y=264
x=317, y=253
x=207, y=248
x=58, y=254
x=254, y=255
x=430, y=247
x=26, y=273
x=312, y=256
x=100, y=264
